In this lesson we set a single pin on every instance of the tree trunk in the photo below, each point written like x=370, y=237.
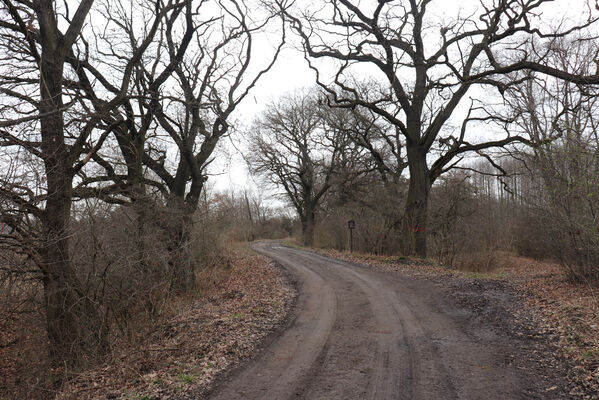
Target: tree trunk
x=76, y=332
x=308, y=228
x=180, y=258
x=74, y=327
x=414, y=221
x=178, y=232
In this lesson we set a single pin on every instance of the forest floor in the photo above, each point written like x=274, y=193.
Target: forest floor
x=564, y=313
x=202, y=336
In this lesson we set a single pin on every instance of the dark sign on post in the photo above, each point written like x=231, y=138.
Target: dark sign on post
x=351, y=224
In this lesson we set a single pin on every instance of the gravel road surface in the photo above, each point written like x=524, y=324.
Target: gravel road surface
x=361, y=333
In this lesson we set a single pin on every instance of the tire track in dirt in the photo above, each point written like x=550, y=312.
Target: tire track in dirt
x=400, y=357
x=295, y=352
x=359, y=333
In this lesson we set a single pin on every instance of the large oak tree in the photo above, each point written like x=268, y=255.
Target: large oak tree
x=51, y=140
x=428, y=65
x=204, y=64
x=302, y=147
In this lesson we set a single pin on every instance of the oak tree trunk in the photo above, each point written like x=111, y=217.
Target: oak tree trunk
x=179, y=241
x=308, y=227
x=415, y=214
x=180, y=257
x=73, y=323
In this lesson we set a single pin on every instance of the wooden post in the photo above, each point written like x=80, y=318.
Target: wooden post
x=351, y=225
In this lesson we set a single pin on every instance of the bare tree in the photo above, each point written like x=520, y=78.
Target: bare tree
x=33, y=36
x=117, y=173
x=562, y=119
x=54, y=141
x=428, y=66
x=196, y=113
x=295, y=148
x=182, y=98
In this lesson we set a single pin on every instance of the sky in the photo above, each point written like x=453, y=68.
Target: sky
x=230, y=172
x=291, y=72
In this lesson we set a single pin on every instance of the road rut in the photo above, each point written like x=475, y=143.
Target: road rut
x=360, y=333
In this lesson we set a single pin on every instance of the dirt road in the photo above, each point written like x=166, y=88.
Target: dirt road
x=359, y=333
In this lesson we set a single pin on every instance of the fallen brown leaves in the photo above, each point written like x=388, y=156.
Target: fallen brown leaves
x=206, y=335
x=569, y=309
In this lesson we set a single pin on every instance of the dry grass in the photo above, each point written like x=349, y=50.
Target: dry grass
x=204, y=335
x=479, y=262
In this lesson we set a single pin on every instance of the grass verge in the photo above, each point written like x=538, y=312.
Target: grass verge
x=199, y=337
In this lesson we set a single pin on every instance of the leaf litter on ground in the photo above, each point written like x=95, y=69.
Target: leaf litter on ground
x=205, y=337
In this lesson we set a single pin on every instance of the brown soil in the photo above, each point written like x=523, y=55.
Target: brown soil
x=360, y=332
x=543, y=301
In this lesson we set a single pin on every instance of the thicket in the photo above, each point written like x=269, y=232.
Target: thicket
x=110, y=116
x=125, y=275
x=545, y=208
x=539, y=199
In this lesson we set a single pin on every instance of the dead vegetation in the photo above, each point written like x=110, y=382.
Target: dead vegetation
x=105, y=153
x=570, y=309
x=198, y=337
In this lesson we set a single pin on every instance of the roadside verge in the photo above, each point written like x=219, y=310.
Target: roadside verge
x=206, y=336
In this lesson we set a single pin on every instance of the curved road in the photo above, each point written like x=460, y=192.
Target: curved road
x=359, y=333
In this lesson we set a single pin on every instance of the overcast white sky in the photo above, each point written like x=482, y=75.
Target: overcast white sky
x=291, y=72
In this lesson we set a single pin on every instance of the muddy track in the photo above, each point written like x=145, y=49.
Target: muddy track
x=359, y=333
